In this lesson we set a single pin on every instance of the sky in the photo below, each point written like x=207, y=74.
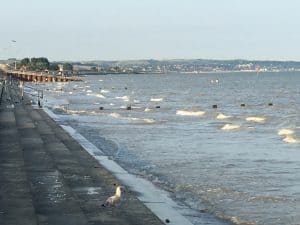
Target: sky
x=150, y=29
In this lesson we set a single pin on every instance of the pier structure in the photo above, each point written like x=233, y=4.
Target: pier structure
x=38, y=77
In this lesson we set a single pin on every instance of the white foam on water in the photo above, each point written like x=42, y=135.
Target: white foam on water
x=124, y=98
x=189, y=113
x=221, y=116
x=96, y=95
x=104, y=91
x=157, y=200
x=134, y=119
x=156, y=99
x=256, y=119
x=149, y=120
x=115, y=115
x=74, y=112
x=285, y=131
x=292, y=140
x=230, y=127
x=148, y=109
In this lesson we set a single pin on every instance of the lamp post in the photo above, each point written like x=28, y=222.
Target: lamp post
x=14, y=41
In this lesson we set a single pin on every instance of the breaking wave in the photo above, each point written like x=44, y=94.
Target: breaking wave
x=285, y=131
x=156, y=99
x=221, y=116
x=230, y=127
x=256, y=119
x=190, y=113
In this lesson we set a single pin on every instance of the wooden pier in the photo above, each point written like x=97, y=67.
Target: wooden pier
x=38, y=77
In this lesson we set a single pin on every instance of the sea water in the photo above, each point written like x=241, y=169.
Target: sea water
x=225, y=145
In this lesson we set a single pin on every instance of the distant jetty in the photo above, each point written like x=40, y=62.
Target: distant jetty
x=38, y=77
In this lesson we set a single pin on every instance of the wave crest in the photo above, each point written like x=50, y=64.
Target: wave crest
x=285, y=131
x=256, y=119
x=221, y=116
x=190, y=113
x=125, y=98
x=291, y=139
x=156, y=99
x=230, y=127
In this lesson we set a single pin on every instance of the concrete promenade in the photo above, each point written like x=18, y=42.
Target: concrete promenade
x=46, y=177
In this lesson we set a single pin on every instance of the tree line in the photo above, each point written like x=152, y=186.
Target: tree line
x=41, y=64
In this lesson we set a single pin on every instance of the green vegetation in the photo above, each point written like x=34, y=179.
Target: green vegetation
x=54, y=67
x=36, y=64
x=67, y=66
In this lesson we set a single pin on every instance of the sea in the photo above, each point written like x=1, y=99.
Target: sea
x=224, y=145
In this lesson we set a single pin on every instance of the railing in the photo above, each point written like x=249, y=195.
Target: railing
x=2, y=90
x=36, y=93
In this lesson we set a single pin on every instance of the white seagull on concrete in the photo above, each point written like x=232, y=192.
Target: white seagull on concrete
x=112, y=200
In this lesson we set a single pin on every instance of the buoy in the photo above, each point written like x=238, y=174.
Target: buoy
x=125, y=88
x=215, y=106
x=167, y=220
x=243, y=104
x=128, y=107
x=270, y=104
x=101, y=107
x=158, y=107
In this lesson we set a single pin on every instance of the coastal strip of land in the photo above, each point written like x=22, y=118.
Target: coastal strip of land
x=46, y=177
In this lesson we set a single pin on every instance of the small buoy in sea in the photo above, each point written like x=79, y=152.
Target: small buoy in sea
x=243, y=104
x=128, y=107
x=101, y=107
x=215, y=106
x=158, y=107
x=167, y=220
x=270, y=104
x=125, y=88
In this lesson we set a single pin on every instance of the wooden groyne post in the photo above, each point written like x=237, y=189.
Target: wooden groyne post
x=35, y=77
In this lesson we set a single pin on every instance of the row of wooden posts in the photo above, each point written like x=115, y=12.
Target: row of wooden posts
x=33, y=77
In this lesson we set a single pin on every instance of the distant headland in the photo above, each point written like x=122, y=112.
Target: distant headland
x=151, y=66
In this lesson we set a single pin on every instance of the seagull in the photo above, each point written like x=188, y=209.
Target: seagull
x=112, y=200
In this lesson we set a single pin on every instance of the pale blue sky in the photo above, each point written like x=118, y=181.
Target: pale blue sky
x=144, y=29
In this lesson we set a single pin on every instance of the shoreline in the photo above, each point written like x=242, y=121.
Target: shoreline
x=48, y=178
x=154, y=198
